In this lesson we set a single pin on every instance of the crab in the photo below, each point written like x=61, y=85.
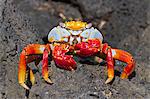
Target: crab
x=77, y=38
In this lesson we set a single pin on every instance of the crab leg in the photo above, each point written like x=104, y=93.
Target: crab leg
x=62, y=60
x=110, y=62
x=22, y=70
x=110, y=66
x=124, y=57
x=25, y=58
x=45, y=66
x=32, y=78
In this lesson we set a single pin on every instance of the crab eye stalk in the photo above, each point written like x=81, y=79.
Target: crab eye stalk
x=62, y=24
x=88, y=25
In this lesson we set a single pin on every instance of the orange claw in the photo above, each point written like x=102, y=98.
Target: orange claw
x=127, y=58
x=25, y=58
x=61, y=59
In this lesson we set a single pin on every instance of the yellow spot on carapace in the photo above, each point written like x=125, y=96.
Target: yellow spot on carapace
x=75, y=25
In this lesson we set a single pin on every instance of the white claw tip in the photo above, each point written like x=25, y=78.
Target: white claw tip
x=49, y=81
x=25, y=86
x=108, y=80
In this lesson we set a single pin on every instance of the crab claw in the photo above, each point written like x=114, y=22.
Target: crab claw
x=127, y=58
x=22, y=70
x=88, y=48
x=29, y=55
x=119, y=55
x=62, y=60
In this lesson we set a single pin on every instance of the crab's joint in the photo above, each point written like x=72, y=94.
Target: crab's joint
x=97, y=59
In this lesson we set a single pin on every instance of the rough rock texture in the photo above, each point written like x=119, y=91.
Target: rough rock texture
x=29, y=21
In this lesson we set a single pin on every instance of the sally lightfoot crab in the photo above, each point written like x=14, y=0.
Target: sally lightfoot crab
x=78, y=38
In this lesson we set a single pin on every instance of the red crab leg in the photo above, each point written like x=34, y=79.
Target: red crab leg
x=127, y=58
x=45, y=66
x=110, y=62
x=62, y=60
x=25, y=58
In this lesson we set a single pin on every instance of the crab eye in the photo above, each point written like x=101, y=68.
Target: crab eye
x=62, y=24
x=88, y=25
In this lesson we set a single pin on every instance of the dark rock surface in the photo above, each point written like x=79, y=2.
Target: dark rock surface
x=28, y=21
